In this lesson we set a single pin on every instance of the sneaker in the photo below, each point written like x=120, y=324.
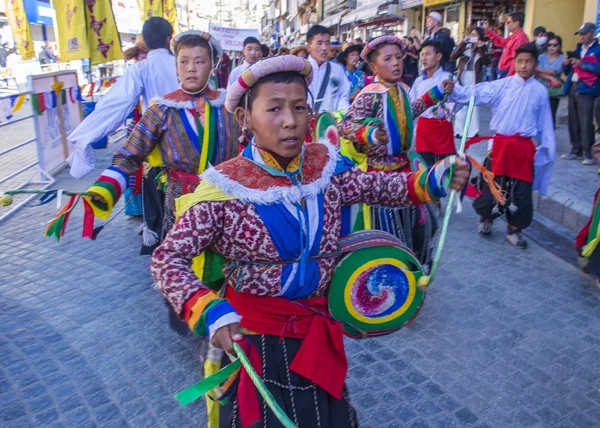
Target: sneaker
x=516, y=239
x=588, y=161
x=570, y=156
x=485, y=228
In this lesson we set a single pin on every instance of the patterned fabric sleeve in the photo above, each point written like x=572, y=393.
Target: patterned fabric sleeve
x=431, y=98
x=352, y=126
x=201, y=308
x=395, y=189
x=112, y=183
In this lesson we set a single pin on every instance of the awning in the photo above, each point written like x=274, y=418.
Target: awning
x=332, y=20
x=407, y=4
x=362, y=14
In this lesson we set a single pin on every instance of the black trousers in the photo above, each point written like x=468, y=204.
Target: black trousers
x=554, y=101
x=519, y=196
x=581, y=123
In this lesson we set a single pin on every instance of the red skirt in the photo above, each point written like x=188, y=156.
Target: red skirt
x=435, y=136
x=513, y=156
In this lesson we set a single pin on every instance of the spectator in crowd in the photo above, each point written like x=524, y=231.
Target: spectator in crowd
x=541, y=39
x=514, y=23
x=433, y=23
x=12, y=60
x=583, y=86
x=334, y=51
x=300, y=51
x=283, y=51
x=349, y=59
x=46, y=55
x=411, y=62
x=471, y=57
x=4, y=51
x=265, y=52
x=550, y=70
x=252, y=52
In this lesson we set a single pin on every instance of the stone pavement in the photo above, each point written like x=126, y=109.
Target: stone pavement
x=506, y=338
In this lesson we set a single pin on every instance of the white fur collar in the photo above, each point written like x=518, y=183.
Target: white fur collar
x=217, y=103
x=292, y=194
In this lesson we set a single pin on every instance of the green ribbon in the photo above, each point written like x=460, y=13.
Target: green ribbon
x=196, y=391
x=206, y=385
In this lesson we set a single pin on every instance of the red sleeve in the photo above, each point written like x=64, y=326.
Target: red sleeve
x=496, y=39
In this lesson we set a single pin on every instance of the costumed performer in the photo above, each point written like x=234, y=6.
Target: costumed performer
x=148, y=79
x=189, y=130
x=330, y=87
x=275, y=214
x=434, y=134
x=520, y=112
x=588, y=238
x=379, y=125
x=251, y=52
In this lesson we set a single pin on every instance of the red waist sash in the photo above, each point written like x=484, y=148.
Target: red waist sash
x=435, y=136
x=321, y=357
x=513, y=156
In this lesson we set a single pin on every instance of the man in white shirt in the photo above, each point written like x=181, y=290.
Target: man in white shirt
x=151, y=78
x=434, y=135
x=251, y=53
x=330, y=88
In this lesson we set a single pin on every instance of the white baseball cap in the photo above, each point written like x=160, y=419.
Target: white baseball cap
x=436, y=16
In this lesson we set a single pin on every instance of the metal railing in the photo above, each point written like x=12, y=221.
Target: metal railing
x=44, y=181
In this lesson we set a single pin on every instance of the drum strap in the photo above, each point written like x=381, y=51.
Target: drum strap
x=323, y=88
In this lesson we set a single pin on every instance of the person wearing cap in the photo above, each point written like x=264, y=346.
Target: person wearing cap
x=330, y=88
x=334, y=51
x=300, y=51
x=378, y=134
x=349, y=59
x=251, y=52
x=148, y=79
x=583, y=87
x=433, y=23
x=514, y=23
x=273, y=215
x=186, y=131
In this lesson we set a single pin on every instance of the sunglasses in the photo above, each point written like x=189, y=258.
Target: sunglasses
x=553, y=45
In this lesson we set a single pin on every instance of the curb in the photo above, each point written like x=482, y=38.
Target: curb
x=562, y=211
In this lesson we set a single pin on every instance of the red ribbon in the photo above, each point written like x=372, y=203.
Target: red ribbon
x=71, y=95
x=88, y=220
x=91, y=91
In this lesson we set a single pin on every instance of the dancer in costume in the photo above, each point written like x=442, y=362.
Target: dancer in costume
x=251, y=52
x=520, y=112
x=434, y=135
x=330, y=88
x=188, y=130
x=379, y=126
x=589, y=237
x=153, y=77
x=274, y=214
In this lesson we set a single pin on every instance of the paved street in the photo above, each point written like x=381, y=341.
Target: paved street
x=506, y=337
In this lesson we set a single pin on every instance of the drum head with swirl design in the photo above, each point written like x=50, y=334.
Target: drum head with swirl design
x=375, y=290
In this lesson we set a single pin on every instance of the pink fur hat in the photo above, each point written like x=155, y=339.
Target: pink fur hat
x=261, y=69
x=383, y=40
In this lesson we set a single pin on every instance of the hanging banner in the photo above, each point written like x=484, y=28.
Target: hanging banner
x=72, y=30
x=170, y=14
x=231, y=39
x=17, y=19
x=103, y=36
x=152, y=8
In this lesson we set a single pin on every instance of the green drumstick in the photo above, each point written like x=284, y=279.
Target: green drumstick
x=7, y=200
